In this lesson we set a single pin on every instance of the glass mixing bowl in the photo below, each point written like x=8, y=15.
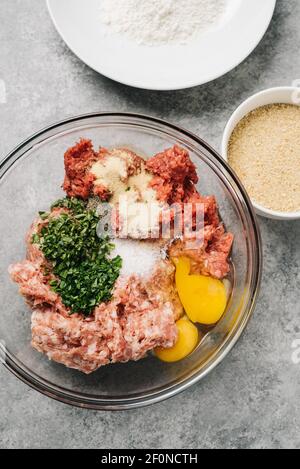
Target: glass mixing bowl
x=30, y=179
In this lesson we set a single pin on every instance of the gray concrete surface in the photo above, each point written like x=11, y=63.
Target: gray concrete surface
x=252, y=399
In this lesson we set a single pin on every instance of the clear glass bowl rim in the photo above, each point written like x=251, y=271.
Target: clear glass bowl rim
x=90, y=401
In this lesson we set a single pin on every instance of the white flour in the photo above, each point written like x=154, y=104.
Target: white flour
x=159, y=22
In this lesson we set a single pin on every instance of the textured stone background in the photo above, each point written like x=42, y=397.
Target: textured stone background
x=252, y=398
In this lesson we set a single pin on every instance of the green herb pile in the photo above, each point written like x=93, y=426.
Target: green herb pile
x=85, y=274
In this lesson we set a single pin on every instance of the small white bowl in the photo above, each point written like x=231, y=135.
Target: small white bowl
x=280, y=95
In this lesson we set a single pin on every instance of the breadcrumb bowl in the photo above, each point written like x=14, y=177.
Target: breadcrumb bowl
x=30, y=178
x=272, y=96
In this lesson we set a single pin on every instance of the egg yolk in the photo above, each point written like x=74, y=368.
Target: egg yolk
x=188, y=338
x=203, y=298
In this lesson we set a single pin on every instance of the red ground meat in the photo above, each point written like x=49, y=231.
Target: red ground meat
x=210, y=206
x=78, y=159
x=216, y=259
x=217, y=253
x=173, y=170
x=213, y=258
x=101, y=191
x=174, y=180
x=79, y=180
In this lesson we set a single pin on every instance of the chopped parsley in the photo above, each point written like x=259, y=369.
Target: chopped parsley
x=77, y=206
x=85, y=273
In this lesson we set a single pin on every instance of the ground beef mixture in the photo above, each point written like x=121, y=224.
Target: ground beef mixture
x=79, y=179
x=212, y=258
x=78, y=160
x=143, y=311
x=173, y=173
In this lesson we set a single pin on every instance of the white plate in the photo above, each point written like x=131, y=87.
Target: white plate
x=163, y=67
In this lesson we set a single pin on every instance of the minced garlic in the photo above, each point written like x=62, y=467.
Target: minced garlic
x=111, y=173
x=264, y=150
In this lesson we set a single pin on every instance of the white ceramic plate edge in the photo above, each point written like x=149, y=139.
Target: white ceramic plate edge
x=188, y=84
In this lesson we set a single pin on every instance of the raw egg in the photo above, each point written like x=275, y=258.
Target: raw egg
x=203, y=298
x=188, y=338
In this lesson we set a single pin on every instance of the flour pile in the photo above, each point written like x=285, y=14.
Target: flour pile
x=160, y=22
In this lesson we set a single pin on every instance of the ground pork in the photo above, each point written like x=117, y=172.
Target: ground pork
x=124, y=329
x=141, y=316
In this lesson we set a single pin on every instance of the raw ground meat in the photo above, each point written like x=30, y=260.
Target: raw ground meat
x=79, y=180
x=173, y=171
x=141, y=316
x=143, y=312
x=124, y=329
x=209, y=205
x=78, y=159
x=174, y=181
x=212, y=259
x=132, y=160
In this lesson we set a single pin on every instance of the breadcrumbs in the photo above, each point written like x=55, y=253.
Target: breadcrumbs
x=264, y=150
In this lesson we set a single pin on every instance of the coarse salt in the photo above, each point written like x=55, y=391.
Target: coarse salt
x=139, y=257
